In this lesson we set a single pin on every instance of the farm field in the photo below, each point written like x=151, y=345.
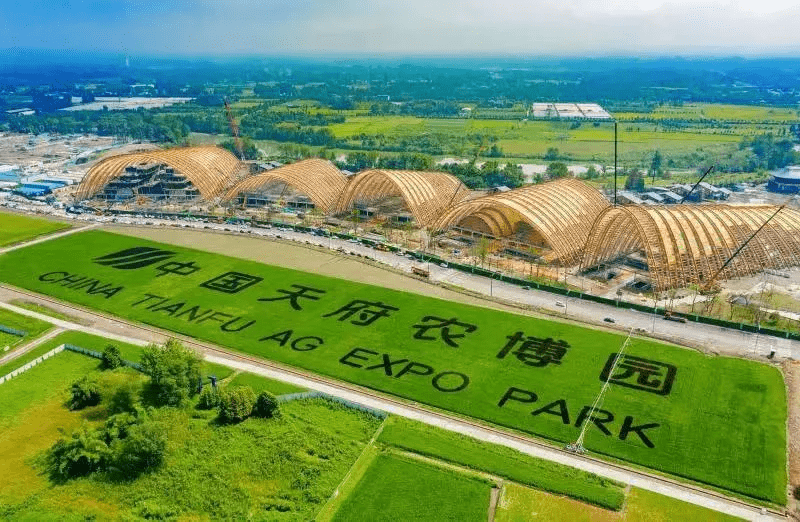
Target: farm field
x=394, y=488
x=33, y=328
x=15, y=228
x=716, y=420
x=501, y=461
x=520, y=504
x=282, y=468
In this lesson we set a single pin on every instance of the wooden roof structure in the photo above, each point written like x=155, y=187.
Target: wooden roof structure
x=209, y=168
x=426, y=194
x=687, y=244
x=318, y=179
x=560, y=211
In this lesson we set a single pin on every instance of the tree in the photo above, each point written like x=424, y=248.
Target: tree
x=174, y=372
x=556, y=170
x=552, y=154
x=656, y=165
x=635, y=181
x=266, y=406
x=142, y=450
x=84, y=392
x=111, y=357
x=236, y=404
x=83, y=453
x=591, y=172
x=209, y=398
x=125, y=399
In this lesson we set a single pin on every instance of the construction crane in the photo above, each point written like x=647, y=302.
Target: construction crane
x=234, y=129
x=709, y=286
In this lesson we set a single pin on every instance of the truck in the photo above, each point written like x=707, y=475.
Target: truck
x=420, y=272
x=677, y=318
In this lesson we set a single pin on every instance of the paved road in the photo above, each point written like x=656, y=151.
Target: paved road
x=123, y=331
x=25, y=348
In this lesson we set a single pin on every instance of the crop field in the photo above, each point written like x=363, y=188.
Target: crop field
x=15, y=228
x=501, y=461
x=33, y=328
x=282, y=468
x=716, y=420
x=395, y=488
x=521, y=504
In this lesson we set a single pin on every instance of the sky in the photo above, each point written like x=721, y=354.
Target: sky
x=528, y=27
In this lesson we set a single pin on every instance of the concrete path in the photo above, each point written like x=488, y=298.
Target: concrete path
x=42, y=239
x=25, y=348
x=140, y=335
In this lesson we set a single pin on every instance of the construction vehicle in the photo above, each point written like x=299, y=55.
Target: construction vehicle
x=420, y=272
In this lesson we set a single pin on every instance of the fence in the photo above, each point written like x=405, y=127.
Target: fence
x=321, y=395
x=18, y=333
x=98, y=355
x=31, y=364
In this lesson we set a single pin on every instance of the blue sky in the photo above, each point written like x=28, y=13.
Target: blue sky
x=535, y=27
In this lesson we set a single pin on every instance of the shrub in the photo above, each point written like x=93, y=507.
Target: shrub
x=111, y=357
x=797, y=492
x=84, y=392
x=174, y=373
x=266, y=406
x=83, y=453
x=123, y=400
x=141, y=450
x=236, y=404
x=209, y=398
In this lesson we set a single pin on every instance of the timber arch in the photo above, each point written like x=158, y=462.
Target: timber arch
x=426, y=194
x=687, y=244
x=206, y=169
x=558, y=213
x=318, y=179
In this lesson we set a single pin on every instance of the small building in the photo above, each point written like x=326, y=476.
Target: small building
x=655, y=197
x=785, y=181
x=670, y=197
x=628, y=198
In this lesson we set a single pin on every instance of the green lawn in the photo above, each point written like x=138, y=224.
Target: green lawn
x=277, y=469
x=722, y=423
x=520, y=504
x=395, y=489
x=15, y=228
x=501, y=461
x=259, y=384
x=33, y=328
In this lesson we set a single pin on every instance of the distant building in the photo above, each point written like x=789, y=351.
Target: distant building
x=785, y=181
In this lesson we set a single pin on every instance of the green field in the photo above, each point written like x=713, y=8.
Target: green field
x=521, y=504
x=394, y=489
x=722, y=422
x=33, y=328
x=15, y=228
x=277, y=469
x=502, y=462
x=259, y=384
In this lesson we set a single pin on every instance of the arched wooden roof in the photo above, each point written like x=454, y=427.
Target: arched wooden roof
x=319, y=179
x=561, y=211
x=208, y=168
x=688, y=244
x=426, y=194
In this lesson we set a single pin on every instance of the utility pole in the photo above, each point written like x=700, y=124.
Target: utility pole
x=615, y=163
x=577, y=446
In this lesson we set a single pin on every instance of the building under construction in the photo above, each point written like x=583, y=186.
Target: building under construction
x=563, y=222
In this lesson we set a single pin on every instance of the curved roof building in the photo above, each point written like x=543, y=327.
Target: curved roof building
x=426, y=194
x=687, y=244
x=558, y=214
x=189, y=172
x=318, y=179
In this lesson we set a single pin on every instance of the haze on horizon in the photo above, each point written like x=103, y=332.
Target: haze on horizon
x=533, y=27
